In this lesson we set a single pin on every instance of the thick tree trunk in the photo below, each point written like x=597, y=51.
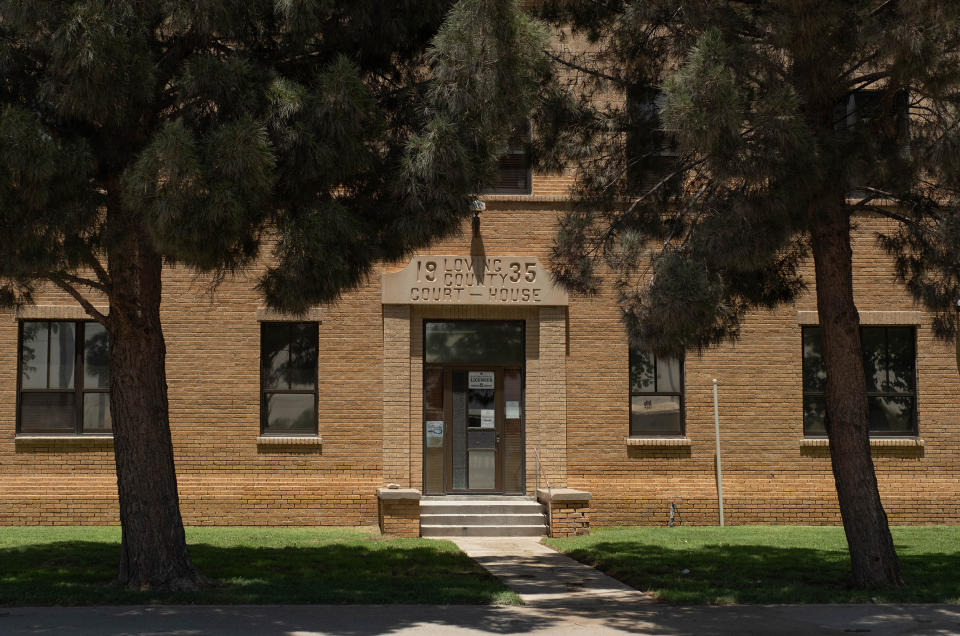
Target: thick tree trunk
x=872, y=556
x=154, y=551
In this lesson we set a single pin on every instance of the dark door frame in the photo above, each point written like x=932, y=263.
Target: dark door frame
x=500, y=409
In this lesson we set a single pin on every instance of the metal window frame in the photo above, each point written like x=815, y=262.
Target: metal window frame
x=655, y=393
x=264, y=429
x=78, y=390
x=886, y=345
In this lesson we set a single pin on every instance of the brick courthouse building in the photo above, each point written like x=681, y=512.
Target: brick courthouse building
x=466, y=372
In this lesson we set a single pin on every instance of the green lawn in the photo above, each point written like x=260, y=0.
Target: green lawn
x=765, y=564
x=75, y=566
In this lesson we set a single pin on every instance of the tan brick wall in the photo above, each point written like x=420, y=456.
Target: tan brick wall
x=576, y=411
x=400, y=517
x=569, y=518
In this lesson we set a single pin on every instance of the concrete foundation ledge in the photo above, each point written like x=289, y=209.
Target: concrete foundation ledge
x=398, y=493
x=568, y=511
x=657, y=441
x=399, y=511
x=901, y=442
x=548, y=495
x=289, y=440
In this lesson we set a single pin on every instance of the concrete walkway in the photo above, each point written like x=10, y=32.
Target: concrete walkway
x=543, y=577
x=472, y=620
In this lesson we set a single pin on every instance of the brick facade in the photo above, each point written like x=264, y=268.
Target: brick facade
x=576, y=408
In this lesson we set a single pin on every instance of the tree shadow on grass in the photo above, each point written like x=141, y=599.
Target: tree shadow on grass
x=721, y=574
x=81, y=572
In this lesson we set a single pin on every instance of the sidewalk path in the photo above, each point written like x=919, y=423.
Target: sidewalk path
x=472, y=620
x=542, y=576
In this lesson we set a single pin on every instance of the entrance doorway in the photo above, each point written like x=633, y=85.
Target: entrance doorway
x=473, y=407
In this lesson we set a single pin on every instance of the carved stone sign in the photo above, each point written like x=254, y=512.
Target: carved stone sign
x=472, y=280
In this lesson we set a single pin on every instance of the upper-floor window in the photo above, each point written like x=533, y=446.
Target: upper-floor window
x=651, y=149
x=656, y=394
x=890, y=370
x=513, y=169
x=288, y=378
x=64, y=378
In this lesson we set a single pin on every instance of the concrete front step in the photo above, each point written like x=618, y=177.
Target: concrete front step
x=483, y=531
x=460, y=507
x=463, y=516
x=482, y=519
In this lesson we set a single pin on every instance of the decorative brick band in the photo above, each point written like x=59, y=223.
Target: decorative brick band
x=876, y=441
x=55, y=312
x=399, y=511
x=289, y=440
x=314, y=314
x=657, y=441
x=870, y=318
x=568, y=511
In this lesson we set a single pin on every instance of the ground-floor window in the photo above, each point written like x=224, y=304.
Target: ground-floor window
x=64, y=379
x=656, y=394
x=288, y=378
x=890, y=373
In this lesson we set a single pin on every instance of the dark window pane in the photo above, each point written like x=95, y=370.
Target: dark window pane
x=814, y=415
x=642, y=372
x=63, y=343
x=668, y=376
x=96, y=413
x=288, y=412
x=96, y=356
x=655, y=415
x=47, y=412
x=480, y=408
x=474, y=341
x=873, y=345
x=892, y=415
x=814, y=369
x=303, y=356
x=275, y=355
x=901, y=360
x=33, y=357
x=513, y=169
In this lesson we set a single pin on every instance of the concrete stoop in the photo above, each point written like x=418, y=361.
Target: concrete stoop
x=476, y=516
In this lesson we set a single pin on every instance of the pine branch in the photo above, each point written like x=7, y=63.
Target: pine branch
x=102, y=276
x=80, y=280
x=583, y=69
x=92, y=311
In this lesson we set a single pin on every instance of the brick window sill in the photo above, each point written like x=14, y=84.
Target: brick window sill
x=657, y=441
x=289, y=440
x=64, y=440
x=901, y=442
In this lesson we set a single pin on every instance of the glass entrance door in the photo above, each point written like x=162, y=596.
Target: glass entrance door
x=476, y=414
x=473, y=411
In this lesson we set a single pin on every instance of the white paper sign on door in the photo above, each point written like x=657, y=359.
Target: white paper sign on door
x=435, y=434
x=513, y=410
x=487, y=419
x=480, y=380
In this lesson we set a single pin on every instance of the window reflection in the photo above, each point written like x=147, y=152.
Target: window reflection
x=889, y=365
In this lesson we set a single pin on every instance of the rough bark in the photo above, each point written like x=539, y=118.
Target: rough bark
x=873, y=558
x=154, y=551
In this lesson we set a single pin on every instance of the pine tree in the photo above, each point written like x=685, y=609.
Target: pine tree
x=746, y=137
x=329, y=135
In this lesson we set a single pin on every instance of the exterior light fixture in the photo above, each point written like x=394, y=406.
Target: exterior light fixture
x=479, y=206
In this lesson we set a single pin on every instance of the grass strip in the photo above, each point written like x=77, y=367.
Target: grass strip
x=765, y=564
x=76, y=566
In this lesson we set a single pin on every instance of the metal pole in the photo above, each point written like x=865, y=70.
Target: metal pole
x=716, y=432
